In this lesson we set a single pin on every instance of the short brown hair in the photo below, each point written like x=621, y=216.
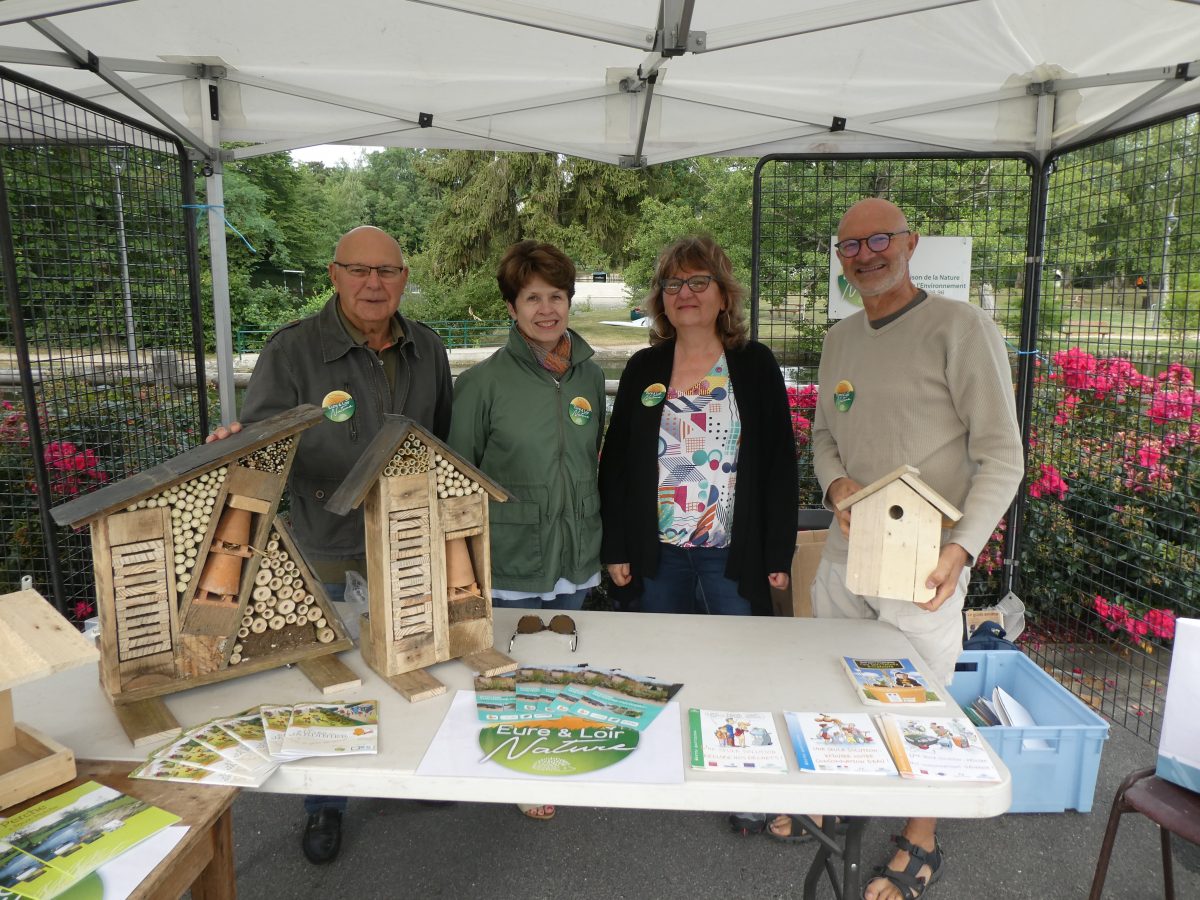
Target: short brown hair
x=698, y=252
x=529, y=259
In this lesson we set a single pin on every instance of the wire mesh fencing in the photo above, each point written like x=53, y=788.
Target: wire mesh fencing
x=101, y=338
x=1111, y=531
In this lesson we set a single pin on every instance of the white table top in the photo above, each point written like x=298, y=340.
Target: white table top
x=724, y=662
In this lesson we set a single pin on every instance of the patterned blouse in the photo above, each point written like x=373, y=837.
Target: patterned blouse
x=698, y=442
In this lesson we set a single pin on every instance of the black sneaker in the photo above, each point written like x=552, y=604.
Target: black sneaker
x=322, y=838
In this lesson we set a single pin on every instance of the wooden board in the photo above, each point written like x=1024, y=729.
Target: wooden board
x=489, y=662
x=36, y=641
x=187, y=465
x=329, y=674
x=416, y=685
x=147, y=722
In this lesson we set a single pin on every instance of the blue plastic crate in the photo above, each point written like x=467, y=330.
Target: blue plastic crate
x=1050, y=778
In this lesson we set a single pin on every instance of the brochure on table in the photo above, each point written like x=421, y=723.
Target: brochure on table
x=838, y=744
x=118, y=879
x=942, y=748
x=654, y=756
x=735, y=739
x=890, y=682
x=48, y=847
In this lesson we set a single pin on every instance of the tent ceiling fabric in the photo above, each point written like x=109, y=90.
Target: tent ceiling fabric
x=625, y=81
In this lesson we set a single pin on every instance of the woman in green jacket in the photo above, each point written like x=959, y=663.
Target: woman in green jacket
x=531, y=417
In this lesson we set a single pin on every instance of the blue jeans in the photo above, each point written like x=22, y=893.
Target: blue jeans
x=562, y=601
x=314, y=803
x=692, y=580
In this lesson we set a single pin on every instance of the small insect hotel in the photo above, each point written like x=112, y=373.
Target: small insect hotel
x=895, y=536
x=197, y=581
x=429, y=566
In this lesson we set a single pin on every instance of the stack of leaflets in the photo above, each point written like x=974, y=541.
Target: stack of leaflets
x=544, y=693
x=745, y=741
x=889, y=682
x=46, y=849
x=244, y=750
x=943, y=748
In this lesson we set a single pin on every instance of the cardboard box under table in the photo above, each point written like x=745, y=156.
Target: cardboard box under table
x=1054, y=763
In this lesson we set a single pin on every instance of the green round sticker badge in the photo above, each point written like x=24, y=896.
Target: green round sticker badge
x=544, y=748
x=654, y=394
x=843, y=396
x=338, y=405
x=580, y=411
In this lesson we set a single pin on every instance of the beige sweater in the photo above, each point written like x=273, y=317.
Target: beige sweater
x=932, y=389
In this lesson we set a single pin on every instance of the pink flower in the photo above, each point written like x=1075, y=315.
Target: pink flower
x=1172, y=405
x=1049, y=483
x=1161, y=623
x=1077, y=365
x=1176, y=373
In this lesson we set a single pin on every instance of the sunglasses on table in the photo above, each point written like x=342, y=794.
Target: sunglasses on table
x=560, y=624
x=877, y=243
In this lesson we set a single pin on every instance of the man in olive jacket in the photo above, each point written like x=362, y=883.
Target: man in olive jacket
x=358, y=358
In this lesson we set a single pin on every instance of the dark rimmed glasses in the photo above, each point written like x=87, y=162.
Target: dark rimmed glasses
x=696, y=283
x=877, y=243
x=560, y=624
x=358, y=270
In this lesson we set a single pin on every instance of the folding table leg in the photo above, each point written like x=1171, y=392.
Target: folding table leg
x=849, y=848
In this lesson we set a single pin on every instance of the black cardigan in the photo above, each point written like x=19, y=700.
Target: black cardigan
x=765, y=495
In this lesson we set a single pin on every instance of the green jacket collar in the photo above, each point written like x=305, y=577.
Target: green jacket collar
x=336, y=341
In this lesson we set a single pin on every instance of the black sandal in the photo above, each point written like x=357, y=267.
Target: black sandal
x=907, y=881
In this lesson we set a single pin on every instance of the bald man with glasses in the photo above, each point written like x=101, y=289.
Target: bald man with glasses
x=922, y=380
x=359, y=359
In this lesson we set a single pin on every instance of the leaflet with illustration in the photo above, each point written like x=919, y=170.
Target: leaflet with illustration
x=889, y=682
x=275, y=721
x=838, y=744
x=332, y=729
x=735, y=739
x=155, y=769
x=945, y=748
x=212, y=735
x=248, y=729
x=620, y=698
x=48, y=847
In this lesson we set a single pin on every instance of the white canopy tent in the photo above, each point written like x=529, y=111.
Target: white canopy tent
x=631, y=82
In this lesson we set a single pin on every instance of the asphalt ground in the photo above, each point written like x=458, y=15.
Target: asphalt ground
x=398, y=848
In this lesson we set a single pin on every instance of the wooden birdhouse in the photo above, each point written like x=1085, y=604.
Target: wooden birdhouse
x=429, y=581
x=895, y=536
x=196, y=579
x=35, y=641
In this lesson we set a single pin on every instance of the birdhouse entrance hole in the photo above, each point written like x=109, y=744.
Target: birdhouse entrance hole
x=896, y=511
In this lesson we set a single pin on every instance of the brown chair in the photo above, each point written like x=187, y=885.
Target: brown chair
x=1175, y=810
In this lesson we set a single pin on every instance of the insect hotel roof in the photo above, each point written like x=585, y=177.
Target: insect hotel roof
x=186, y=466
x=379, y=453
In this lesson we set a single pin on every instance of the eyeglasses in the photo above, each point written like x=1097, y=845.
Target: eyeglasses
x=697, y=283
x=560, y=624
x=877, y=242
x=386, y=273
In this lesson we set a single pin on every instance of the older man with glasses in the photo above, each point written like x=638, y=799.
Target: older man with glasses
x=359, y=359
x=923, y=380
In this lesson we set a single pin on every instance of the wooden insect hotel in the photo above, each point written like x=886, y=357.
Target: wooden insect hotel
x=429, y=580
x=895, y=536
x=197, y=581
x=35, y=641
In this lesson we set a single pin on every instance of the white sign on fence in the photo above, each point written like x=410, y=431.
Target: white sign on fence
x=1179, y=742
x=940, y=265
